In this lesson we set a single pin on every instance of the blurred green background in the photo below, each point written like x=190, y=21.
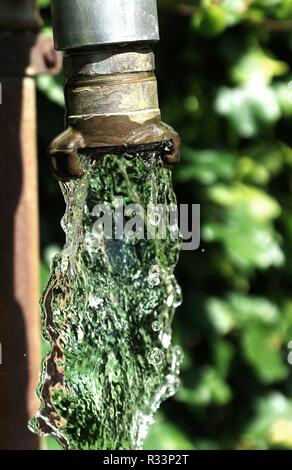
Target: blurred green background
x=225, y=81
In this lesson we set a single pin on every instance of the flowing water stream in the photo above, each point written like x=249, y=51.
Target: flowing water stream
x=108, y=308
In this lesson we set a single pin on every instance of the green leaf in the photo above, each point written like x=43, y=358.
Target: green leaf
x=245, y=210
x=257, y=67
x=43, y=3
x=223, y=353
x=210, y=21
x=248, y=309
x=261, y=349
x=221, y=316
x=249, y=108
x=206, y=166
x=164, y=435
x=253, y=201
x=205, y=388
x=52, y=87
x=270, y=423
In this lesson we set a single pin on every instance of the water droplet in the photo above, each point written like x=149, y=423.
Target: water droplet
x=166, y=340
x=177, y=359
x=129, y=156
x=172, y=385
x=112, y=412
x=91, y=243
x=156, y=326
x=154, y=276
x=93, y=302
x=64, y=264
x=178, y=298
x=170, y=300
x=155, y=357
x=80, y=335
x=154, y=216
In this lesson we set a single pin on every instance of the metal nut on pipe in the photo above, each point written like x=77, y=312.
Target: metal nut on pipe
x=79, y=24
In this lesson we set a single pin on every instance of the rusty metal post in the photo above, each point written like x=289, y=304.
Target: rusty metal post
x=23, y=53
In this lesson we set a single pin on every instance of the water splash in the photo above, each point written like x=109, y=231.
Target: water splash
x=107, y=313
x=156, y=326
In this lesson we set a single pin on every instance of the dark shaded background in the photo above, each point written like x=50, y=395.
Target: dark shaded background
x=224, y=71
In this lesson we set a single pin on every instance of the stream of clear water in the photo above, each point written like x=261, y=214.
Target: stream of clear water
x=107, y=312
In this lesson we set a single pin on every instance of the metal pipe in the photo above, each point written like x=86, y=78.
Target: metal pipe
x=97, y=22
x=110, y=84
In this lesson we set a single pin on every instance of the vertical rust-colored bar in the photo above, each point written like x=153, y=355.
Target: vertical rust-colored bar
x=19, y=257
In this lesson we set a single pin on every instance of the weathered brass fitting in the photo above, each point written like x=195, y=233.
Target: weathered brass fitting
x=111, y=103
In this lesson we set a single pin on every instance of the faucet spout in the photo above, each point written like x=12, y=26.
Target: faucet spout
x=110, y=83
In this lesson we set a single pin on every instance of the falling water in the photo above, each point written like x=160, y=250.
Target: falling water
x=107, y=313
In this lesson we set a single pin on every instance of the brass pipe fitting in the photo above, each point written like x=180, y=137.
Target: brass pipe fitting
x=111, y=100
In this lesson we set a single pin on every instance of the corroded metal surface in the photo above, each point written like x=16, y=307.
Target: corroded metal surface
x=66, y=148
x=108, y=60
x=114, y=94
x=19, y=254
x=117, y=110
x=23, y=54
x=109, y=110
x=19, y=261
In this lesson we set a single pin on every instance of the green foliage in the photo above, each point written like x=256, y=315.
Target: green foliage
x=44, y=3
x=52, y=87
x=224, y=69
